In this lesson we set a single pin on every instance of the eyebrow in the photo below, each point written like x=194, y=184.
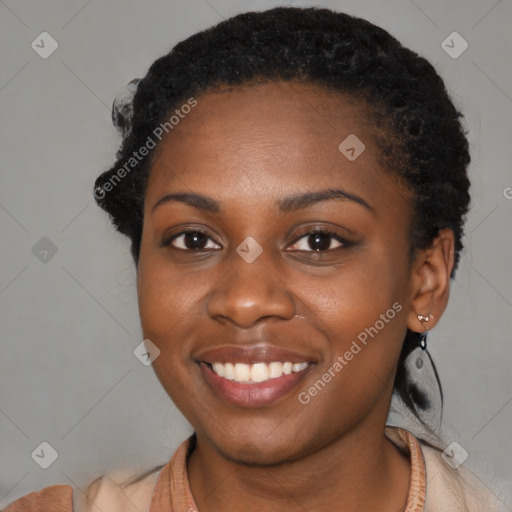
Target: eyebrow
x=196, y=200
x=299, y=201
x=286, y=205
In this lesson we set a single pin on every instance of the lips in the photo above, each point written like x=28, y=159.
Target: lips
x=246, y=383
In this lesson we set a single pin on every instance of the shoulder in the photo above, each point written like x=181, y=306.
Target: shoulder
x=450, y=489
x=57, y=497
x=114, y=492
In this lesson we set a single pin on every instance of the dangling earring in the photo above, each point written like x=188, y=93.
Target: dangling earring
x=422, y=381
x=422, y=340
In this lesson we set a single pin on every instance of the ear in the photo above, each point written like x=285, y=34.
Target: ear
x=430, y=282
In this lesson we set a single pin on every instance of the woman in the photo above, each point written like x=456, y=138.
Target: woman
x=294, y=186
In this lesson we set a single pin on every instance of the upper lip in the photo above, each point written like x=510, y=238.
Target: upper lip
x=250, y=354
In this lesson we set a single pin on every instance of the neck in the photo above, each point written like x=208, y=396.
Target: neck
x=362, y=470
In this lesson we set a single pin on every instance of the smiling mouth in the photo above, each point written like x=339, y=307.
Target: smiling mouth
x=253, y=375
x=257, y=372
x=273, y=381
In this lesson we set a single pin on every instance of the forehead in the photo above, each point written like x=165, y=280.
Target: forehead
x=256, y=139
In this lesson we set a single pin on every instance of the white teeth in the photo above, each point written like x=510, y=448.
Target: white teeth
x=258, y=372
x=299, y=367
x=218, y=368
x=275, y=370
x=229, y=372
x=242, y=372
x=287, y=368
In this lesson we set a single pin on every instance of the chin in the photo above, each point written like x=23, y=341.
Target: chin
x=252, y=455
x=259, y=451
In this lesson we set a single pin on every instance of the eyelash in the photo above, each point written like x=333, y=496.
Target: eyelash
x=323, y=231
x=344, y=243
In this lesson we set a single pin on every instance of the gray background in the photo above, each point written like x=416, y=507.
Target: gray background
x=69, y=325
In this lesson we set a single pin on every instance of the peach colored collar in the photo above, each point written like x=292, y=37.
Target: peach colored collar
x=172, y=491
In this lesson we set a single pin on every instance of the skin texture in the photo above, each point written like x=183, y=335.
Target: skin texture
x=247, y=148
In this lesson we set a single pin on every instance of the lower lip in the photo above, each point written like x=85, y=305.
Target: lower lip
x=255, y=394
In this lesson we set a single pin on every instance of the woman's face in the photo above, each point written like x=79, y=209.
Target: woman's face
x=249, y=259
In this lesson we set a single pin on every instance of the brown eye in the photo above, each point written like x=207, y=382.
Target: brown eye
x=193, y=240
x=318, y=241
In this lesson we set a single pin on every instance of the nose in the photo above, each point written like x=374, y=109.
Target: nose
x=249, y=293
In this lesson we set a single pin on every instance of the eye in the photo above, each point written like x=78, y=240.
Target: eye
x=318, y=241
x=192, y=240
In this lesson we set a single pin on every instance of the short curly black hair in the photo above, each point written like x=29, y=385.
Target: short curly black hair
x=416, y=126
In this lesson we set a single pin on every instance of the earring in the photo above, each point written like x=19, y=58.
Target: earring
x=422, y=340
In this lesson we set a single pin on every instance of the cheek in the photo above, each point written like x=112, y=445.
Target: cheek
x=363, y=322
x=355, y=295
x=167, y=295
x=168, y=301
x=362, y=315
